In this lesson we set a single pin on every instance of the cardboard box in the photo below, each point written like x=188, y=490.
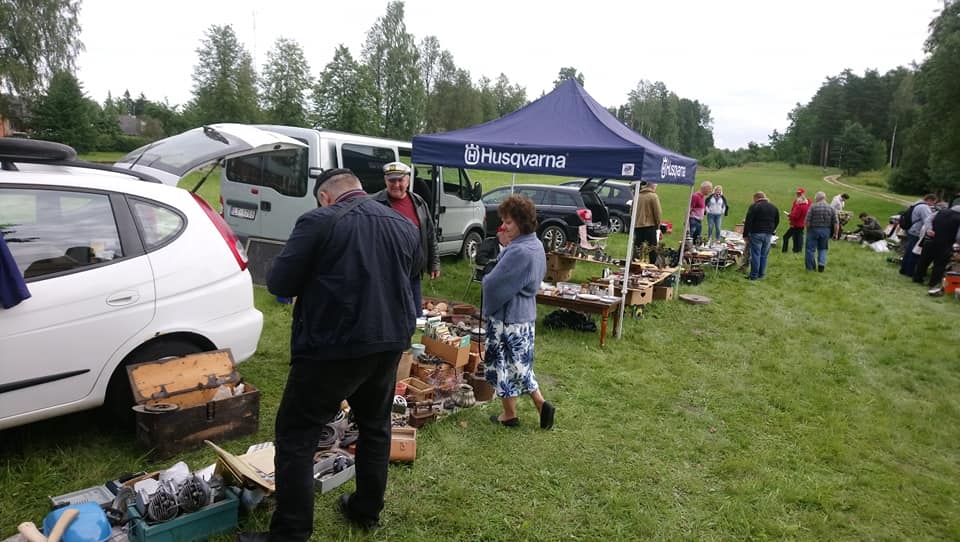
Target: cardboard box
x=403, y=368
x=559, y=262
x=454, y=355
x=662, y=293
x=558, y=275
x=183, y=401
x=403, y=444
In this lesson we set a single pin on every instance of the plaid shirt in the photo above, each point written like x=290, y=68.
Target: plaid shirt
x=822, y=215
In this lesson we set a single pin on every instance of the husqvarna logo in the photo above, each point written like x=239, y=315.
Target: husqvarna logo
x=471, y=154
x=474, y=155
x=671, y=170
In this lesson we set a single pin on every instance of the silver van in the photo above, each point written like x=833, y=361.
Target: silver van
x=264, y=194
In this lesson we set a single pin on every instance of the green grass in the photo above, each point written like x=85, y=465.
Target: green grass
x=802, y=407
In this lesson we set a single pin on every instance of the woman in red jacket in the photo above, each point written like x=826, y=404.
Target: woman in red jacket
x=797, y=216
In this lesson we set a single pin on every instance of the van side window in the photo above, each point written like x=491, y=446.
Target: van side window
x=366, y=162
x=284, y=171
x=50, y=232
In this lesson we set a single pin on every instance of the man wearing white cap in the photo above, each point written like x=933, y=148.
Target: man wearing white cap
x=397, y=195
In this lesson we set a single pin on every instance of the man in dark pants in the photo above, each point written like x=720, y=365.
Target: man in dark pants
x=762, y=220
x=648, y=218
x=349, y=264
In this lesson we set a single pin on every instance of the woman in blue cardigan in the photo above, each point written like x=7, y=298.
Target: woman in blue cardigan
x=510, y=308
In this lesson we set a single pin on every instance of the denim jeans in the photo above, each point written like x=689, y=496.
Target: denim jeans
x=696, y=228
x=759, y=250
x=713, y=226
x=818, y=241
x=310, y=400
x=909, y=262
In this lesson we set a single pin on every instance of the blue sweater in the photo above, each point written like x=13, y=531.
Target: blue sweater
x=510, y=289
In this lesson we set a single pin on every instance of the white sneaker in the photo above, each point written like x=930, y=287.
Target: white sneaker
x=935, y=292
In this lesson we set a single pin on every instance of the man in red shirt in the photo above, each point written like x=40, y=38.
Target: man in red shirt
x=797, y=217
x=397, y=195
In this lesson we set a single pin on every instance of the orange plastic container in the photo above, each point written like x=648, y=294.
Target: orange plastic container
x=951, y=282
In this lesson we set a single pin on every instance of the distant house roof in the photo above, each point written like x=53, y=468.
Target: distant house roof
x=130, y=125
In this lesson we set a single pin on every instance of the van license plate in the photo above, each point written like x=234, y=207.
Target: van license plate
x=240, y=212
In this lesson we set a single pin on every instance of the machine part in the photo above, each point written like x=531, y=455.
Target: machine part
x=161, y=407
x=193, y=494
x=162, y=505
x=329, y=435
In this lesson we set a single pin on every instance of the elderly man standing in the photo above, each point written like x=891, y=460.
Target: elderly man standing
x=698, y=207
x=397, y=195
x=822, y=224
x=762, y=220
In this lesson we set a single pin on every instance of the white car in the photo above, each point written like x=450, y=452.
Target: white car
x=120, y=269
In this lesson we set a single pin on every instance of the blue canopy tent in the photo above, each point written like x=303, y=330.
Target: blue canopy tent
x=564, y=133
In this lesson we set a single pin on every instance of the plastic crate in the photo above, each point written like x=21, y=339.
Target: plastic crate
x=218, y=517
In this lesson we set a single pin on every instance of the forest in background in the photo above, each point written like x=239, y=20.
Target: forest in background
x=905, y=121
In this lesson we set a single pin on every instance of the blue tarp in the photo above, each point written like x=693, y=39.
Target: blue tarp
x=565, y=133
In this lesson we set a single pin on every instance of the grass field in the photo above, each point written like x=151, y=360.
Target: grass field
x=821, y=406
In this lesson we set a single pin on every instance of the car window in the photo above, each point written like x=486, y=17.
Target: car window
x=159, y=225
x=54, y=231
x=366, y=162
x=284, y=171
x=536, y=195
x=495, y=196
x=566, y=199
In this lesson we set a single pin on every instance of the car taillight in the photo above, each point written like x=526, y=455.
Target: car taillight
x=585, y=215
x=225, y=231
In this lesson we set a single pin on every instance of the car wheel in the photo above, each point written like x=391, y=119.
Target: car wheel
x=119, y=399
x=470, y=245
x=617, y=224
x=553, y=238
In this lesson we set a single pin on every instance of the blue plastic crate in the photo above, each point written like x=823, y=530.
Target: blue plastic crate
x=200, y=525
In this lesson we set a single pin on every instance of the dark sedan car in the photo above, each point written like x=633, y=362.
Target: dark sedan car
x=617, y=196
x=561, y=210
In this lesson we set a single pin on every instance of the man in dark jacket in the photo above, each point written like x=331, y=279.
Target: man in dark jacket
x=762, y=220
x=869, y=229
x=397, y=195
x=349, y=264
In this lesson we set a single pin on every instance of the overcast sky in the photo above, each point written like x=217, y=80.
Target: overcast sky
x=750, y=61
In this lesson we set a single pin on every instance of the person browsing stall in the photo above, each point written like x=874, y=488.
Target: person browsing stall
x=397, y=195
x=349, y=264
x=647, y=222
x=510, y=308
x=797, y=217
x=698, y=207
x=822, y=225
x=717, y=208
x=759, y=225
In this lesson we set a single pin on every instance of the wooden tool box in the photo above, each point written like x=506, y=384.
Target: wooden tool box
x=183, y=401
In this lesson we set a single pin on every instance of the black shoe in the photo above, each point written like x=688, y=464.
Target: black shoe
x=820, y=268
x=547, y=412
x=253, y=537
x=512, y=422
x=343, y=505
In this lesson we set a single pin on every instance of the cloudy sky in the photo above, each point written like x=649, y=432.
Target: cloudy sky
x=750, y=61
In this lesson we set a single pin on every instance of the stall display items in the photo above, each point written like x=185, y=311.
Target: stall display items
x=183, y=401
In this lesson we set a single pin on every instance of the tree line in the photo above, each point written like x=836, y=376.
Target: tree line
x=906, y=120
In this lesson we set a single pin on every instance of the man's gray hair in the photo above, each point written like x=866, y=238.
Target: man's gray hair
x=820, y=196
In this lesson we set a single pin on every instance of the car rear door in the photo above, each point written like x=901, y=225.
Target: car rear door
x=172, y=158
x=601, y=215
x=92, y=289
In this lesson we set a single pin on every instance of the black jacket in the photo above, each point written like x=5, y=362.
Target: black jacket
x=762, y=217
x=428, y=234
x=351, y=280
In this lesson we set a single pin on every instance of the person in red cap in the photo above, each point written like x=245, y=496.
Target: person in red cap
x=797, y=217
